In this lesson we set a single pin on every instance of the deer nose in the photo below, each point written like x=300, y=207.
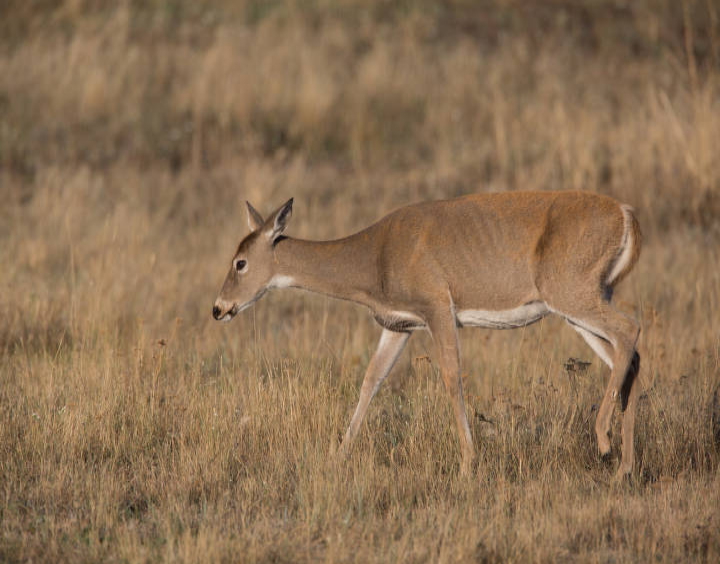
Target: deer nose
x=216, y=312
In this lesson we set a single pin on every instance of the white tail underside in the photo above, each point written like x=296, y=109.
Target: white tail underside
x=626, y=248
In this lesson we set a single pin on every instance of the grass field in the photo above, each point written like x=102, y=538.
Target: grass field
x=134, y=428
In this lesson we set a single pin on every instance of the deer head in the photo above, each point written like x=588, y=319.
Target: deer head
x=252, y=268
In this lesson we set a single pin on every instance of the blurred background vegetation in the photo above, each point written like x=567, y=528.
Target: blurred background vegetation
x=447, y=97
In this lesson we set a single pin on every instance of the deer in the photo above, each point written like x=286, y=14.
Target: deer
x=494, y=260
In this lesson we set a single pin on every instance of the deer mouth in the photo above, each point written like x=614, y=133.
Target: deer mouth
x=228, y=316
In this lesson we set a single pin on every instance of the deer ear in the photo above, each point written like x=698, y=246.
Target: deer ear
x=255, y=220
x=279, y=220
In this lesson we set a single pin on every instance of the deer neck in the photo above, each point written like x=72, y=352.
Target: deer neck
x=342, y=269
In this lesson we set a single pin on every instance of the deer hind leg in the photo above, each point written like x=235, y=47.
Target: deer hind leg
x=606, y=352
x=613, y=336
x=389, y=348
x=629, y=394
x=444, y=334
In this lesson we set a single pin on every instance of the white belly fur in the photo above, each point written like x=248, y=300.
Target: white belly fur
x=503, y=319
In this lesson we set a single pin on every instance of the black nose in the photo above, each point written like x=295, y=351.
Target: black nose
x=216, y=312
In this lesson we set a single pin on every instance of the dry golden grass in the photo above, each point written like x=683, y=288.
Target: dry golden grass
x=134, y=428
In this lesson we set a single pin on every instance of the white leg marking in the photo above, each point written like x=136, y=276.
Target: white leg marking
x=387, y=361
x=595, y=343
x=584, y=325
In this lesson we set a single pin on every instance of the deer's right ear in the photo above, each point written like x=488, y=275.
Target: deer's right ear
x=280, y=220
x=255, y=220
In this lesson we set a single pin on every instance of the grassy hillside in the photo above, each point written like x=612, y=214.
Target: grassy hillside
x=135, y=428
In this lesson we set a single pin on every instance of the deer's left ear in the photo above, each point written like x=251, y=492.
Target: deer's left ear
x=255, y=220
x=278, y=221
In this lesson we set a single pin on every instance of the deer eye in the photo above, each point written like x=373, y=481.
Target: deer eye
x=240, y=265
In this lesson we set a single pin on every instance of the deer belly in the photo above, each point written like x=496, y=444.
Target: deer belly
x=503, y=319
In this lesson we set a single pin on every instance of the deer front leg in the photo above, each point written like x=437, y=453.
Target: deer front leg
x=444, y=334
x=389, y=348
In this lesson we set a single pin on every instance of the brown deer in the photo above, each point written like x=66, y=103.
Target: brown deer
x=499, y=261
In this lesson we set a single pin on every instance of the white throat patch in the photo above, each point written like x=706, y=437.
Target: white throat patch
x=281, y=281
